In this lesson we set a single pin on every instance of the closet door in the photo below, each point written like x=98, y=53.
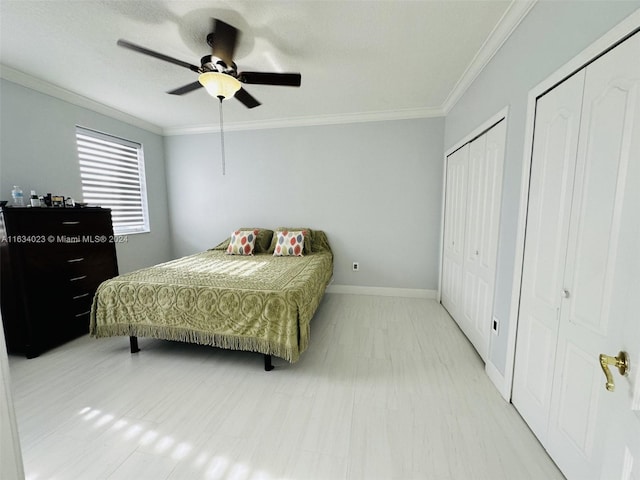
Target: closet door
x=472, y=210
x=550, y=193
x=601, y=278
x=486, y=157
x=580, y=288
x=454, y=230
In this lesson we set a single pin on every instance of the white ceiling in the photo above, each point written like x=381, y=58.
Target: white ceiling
x=358, y=59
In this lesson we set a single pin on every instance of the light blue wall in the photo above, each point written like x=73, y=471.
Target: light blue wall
x=375, y=188
x=38, y=152
x=552, y=34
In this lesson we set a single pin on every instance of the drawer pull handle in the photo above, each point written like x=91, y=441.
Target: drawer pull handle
x=77, y=278
x=81, y=296
x=74, y=260
x=71, y=223
x=83, y=313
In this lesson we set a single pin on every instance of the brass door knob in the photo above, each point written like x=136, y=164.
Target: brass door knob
x=621, y=362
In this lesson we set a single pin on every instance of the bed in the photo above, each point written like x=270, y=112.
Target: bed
x=259, y=302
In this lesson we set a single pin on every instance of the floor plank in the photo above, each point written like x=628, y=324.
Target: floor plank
x=389, y=388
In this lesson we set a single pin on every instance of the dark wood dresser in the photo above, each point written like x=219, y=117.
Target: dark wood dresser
x=52, y=260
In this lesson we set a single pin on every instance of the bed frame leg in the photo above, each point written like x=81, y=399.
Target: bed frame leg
x=267, y=363
x=133, y=342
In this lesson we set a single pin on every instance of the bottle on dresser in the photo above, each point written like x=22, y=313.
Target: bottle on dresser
x=35, y=200
x=18, y=196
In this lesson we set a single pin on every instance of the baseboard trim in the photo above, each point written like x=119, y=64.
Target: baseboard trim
x=383, y=291
x=498, y=381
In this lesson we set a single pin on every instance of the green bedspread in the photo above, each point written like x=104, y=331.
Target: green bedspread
x=258, y=303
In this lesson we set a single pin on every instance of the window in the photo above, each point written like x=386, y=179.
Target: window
x=112, y=174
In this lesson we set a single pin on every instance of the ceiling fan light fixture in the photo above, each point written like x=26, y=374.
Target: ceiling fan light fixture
x=219, y=84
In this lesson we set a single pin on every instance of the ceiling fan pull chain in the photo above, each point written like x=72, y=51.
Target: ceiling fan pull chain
x=222, y=137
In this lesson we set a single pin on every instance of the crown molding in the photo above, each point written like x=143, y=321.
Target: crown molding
x=33, y=83
x=501, y=32
x=362, y=117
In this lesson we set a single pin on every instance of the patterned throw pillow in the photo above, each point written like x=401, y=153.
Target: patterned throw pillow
x=308, y=238
x=263, y=239
x=289, y=243
x=242, y=242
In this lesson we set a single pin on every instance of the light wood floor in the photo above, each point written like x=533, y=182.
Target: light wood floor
x=389, y=388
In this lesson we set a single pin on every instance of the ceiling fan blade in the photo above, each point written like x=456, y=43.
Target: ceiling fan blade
x=223, y=41
x=186, y=89
x=161, y=56
x=246, y=98
x=263, y=78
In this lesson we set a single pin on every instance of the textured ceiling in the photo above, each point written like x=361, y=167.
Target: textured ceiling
x=357, y=58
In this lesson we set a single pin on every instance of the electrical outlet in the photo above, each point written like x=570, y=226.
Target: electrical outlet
x=495, y=326
x=356, y=266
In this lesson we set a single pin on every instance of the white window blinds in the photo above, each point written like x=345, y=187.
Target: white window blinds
x=112, y=174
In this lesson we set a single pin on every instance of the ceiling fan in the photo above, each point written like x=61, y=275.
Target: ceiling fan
x=218, y=72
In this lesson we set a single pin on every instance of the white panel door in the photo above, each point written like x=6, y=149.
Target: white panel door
x=550, y=192
x=486, y=156
x=601, y=274
x=454, y=230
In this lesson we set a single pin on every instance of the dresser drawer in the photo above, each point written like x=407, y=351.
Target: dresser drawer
x=71, y=268
x=67, y=224
x=83, y=280
x=58, y=317
x=79, y=306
